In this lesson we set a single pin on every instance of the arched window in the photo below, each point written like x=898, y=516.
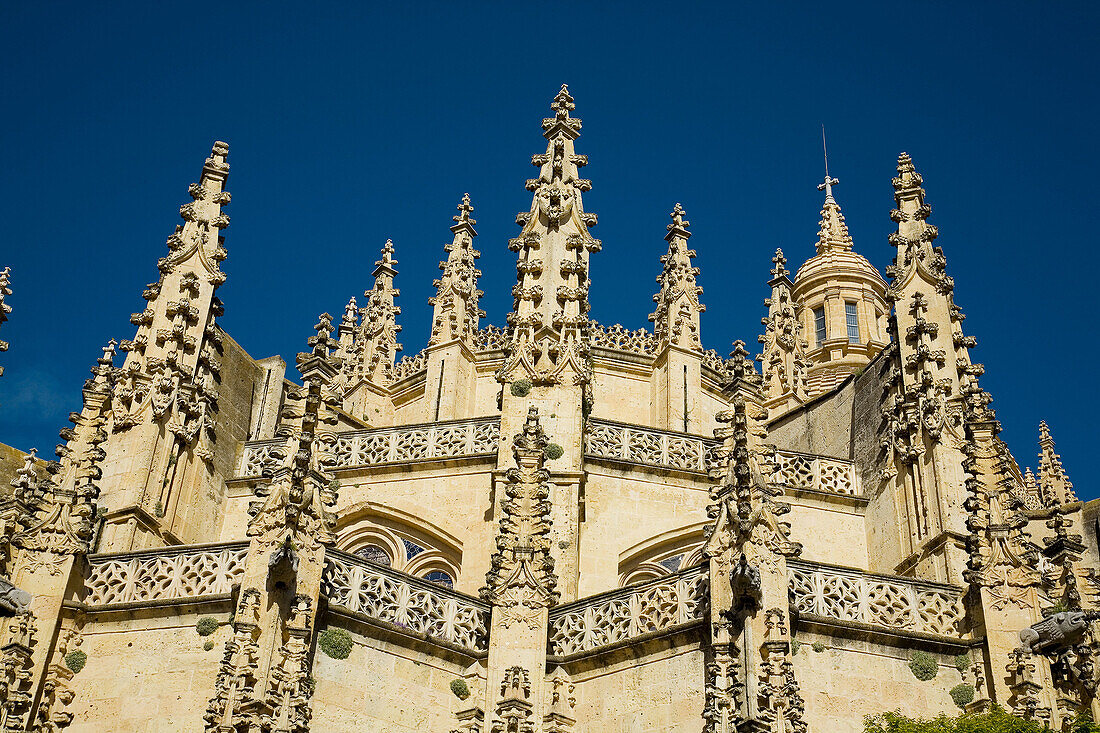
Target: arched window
x=439, y=578
x=374, y=554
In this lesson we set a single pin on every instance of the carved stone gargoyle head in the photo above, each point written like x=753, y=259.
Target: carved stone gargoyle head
x=282, y=566
x=1056, y=632
x=745, y=585
x=13, y=601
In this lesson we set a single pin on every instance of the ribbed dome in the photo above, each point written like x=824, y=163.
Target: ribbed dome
x=837, y=263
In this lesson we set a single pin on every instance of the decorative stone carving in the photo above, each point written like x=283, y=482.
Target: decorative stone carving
x=549, y=326
x=5, y=309
x=521, y=580
x=676, y=319
x=783, y=360
x=457, y=313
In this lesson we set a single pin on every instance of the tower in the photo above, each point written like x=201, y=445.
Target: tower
x=843, y=301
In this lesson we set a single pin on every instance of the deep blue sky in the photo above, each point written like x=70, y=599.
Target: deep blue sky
x=348, y=125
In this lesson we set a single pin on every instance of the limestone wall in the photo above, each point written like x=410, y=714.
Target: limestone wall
x=383, y=687
x=848, y=679
x=147, y=672
x=624, y=508
x=657, y=692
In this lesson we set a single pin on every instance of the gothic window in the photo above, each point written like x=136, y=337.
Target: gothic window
x=851, y=315
x=672, y=563
x=439, y=578
x=374, y=554
x=819, y=325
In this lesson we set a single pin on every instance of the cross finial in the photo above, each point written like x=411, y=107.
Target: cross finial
x=829, y=182
x=678, y=220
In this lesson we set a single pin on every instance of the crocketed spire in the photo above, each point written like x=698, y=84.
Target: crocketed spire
x=173, y=363
x=376, y=341
x=832, y=235
x=676, y=319
x=549, y=319
x=457, y=314
x=783, y=360
x=1054, y=485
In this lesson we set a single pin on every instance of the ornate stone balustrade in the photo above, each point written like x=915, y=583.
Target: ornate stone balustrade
x=377, y=592
x=873, y=600
x=468, y=438
x=407, y=366
x=627, y=613
x=634, y=444
x=173, y=573
x=817, y=473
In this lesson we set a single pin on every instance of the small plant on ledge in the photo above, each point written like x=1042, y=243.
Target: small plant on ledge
x=336, y=643
x=521, y=387
x=460, y=688
x=924, y=666
x=962, y=694
x=553, y=451
x=75, y=660
x=206, y=625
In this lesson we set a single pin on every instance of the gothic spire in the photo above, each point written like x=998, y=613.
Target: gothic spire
x=457, y=314
x=1054, y=485
x=378, y=329
x=783, y=360
x=177, y=344
x=549, y=319
x=676, y=319
x=5, y=309
x=915, y=235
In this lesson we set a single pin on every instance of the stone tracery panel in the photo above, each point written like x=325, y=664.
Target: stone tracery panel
x=646, y=446
x=468, y=438
x=380, y=593
x=892, y=602
x=609, y=618
x=160, y=575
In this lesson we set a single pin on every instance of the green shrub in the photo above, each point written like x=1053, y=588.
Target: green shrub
x=553, y=451
x=962, y=694
x=962, y=662
x=521, y=387
x=994, y=721
x=460, y=688
x=206, y=625
x=208, y=645
x=819, y=646
x=924, y=666
x=75, y=660
x=795, y=646
x=336, y=643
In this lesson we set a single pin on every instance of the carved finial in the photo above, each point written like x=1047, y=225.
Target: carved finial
x=563, y=102
x=322, y=343
x=351, y=313
x=387, y=255
x=780, y=262
x=464, y=210
x=108, y=358
x=1054, y=484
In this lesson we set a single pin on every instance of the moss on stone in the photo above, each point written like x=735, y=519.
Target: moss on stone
x=336, y=643
x=460, y=688
x=206, y=625
x=521, y=387
x=75, y=660
x=924, y=666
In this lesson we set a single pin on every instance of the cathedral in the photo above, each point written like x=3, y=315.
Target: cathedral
x=495, y=535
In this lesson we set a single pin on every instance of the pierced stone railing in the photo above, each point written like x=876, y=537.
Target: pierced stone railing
x=817, y=473
x=406, y=443
x=380, y=593
x=873, y=600
x=680, y=451
x=173, y=573
x=627, y=613
x=407, y=366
